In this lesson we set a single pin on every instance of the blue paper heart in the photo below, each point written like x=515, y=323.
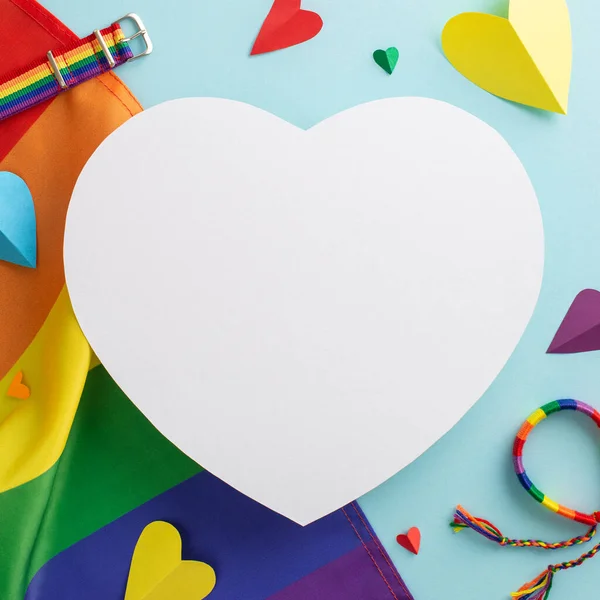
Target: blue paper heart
x=18, y=243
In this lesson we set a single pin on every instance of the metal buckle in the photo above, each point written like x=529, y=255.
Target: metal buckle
x=140, y=32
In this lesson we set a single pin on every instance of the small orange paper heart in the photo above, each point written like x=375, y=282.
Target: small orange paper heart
x=17, y=389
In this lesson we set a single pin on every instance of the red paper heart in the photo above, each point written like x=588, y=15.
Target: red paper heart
x=286, y=25
x=411, y=540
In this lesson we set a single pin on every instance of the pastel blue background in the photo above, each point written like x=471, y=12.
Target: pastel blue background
x=202, y=48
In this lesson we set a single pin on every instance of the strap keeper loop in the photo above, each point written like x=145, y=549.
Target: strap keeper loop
x=57, y=74
x=105, y=50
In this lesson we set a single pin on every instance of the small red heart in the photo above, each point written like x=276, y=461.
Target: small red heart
x=411, y=540
x=286, y=25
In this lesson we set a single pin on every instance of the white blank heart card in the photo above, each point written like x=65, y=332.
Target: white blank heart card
x=304, y=312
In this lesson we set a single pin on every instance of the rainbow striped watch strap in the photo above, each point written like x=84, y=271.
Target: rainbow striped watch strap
x=89, y=57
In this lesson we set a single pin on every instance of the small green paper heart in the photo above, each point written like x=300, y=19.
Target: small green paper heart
x=387, y=59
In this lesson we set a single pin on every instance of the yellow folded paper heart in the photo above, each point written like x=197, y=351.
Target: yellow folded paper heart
x=525, y=58
x=158, y=573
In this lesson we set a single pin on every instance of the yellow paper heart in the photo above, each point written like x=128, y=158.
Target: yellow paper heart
x=525, y=58
x=158, y=573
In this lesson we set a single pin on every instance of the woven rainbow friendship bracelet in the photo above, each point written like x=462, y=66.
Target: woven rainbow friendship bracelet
x=538, y=588
x=89, y=57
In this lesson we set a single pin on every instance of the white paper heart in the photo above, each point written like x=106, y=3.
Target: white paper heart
x=304, y=312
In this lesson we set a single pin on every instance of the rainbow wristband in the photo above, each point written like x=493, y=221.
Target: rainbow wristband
x=539, y=587
x=534, y=418
x=99, y=52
